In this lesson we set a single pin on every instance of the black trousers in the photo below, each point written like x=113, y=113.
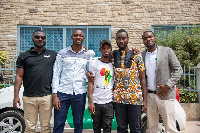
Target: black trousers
x=127, y=114
x=103, y=118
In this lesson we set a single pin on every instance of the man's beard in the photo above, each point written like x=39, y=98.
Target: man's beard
x=39, y=46
x=123, y=48
x=151, y=46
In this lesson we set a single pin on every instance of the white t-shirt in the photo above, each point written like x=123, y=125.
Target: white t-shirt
x=103, y=81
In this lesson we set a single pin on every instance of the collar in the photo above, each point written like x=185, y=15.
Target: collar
x=32, y=50
x=154, y=52
x=70, y=48
x=104, y=61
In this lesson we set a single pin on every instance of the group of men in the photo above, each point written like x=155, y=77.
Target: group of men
x=122, y=80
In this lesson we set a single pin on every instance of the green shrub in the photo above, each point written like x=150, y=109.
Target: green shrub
x=3, y=57
x=188, y=96
x=184, y=42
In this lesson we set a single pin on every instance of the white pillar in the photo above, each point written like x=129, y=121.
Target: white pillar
x=198, y=80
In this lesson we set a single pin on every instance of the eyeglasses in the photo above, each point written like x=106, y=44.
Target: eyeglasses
x=42, y=37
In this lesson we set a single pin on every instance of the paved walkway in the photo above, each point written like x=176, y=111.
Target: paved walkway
x=191, y=127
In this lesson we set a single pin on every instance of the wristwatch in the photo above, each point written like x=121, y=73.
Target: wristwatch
x=168, y=86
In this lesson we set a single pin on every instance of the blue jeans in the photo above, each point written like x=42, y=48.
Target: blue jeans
x=77, y=103
x=128, y=114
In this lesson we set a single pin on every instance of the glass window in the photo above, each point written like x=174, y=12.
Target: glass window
x=59, y=37
x=95, y=35
x=158, y=28
x=54, y=38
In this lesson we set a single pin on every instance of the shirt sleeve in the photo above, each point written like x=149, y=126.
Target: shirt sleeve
x=57, y=68
x=176, y=67
x=20, y=62
x=91, y=66
x=140, y=63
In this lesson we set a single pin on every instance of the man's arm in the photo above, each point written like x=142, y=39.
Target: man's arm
x=90, y=91
x=176, y=67
x=90, y=76
x=177, y=72
x=17, y=85
x=57, y=68
x=56, y=102
x=144, y=88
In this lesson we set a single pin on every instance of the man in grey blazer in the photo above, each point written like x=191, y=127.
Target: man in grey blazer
x=160, y=62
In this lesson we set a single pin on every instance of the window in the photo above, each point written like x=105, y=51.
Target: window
x=59, y=37
x=157, y=28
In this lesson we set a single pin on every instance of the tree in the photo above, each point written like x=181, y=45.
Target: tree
x=185, y=42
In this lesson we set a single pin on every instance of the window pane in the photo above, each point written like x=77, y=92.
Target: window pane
x=95, y=35
x=159, y=29
x=54, y=38
x=26, y=37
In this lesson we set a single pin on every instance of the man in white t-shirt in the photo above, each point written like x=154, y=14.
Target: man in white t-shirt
x=100, y=89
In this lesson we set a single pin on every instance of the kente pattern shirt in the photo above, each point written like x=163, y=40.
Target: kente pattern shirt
x=127, y=88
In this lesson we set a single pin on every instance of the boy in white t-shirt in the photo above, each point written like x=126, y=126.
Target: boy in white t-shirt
x=100, y=89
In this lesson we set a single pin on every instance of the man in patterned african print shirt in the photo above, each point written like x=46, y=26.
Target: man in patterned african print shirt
x=129, y=86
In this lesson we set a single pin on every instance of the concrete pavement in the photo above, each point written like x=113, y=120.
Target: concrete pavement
x=191, y=127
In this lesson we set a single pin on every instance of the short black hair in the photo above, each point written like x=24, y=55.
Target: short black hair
x=77, y=29
x=122, y=30
x=146, y=32
x=39, y=31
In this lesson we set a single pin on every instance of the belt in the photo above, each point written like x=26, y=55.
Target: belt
x=154, y=92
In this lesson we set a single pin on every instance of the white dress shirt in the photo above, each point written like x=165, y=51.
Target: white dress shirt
x=150, y=65
x=69, y=73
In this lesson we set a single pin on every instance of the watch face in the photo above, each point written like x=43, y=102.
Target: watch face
x=168, y=86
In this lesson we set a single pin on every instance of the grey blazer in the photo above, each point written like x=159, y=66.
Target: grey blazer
x=167, y=63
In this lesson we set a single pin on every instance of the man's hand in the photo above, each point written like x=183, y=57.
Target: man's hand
x=56, y=102
x=91, y=108
x=15, y=102
x=85, y=49
x=163, y=91
x=90, y=76
x=136, y=51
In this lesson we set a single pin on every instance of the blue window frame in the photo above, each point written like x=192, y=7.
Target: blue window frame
x=59, y=37
x=157, y=28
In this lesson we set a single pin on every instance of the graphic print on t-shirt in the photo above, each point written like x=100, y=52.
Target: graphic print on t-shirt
x=106, y=73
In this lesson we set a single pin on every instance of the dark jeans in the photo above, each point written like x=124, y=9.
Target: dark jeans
x=128, y=114
x=77, y=103
x=103, y=118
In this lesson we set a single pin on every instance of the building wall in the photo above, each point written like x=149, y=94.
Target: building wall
x=135, y=16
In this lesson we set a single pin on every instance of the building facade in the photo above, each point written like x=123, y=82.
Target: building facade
x=99, y=19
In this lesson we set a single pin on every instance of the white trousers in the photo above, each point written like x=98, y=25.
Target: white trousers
x=166, y=108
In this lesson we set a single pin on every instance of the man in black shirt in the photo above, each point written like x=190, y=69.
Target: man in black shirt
x=35, y=69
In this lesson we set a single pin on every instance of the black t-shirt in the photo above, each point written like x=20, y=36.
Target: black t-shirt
x=117, y=54
x=38, y=72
